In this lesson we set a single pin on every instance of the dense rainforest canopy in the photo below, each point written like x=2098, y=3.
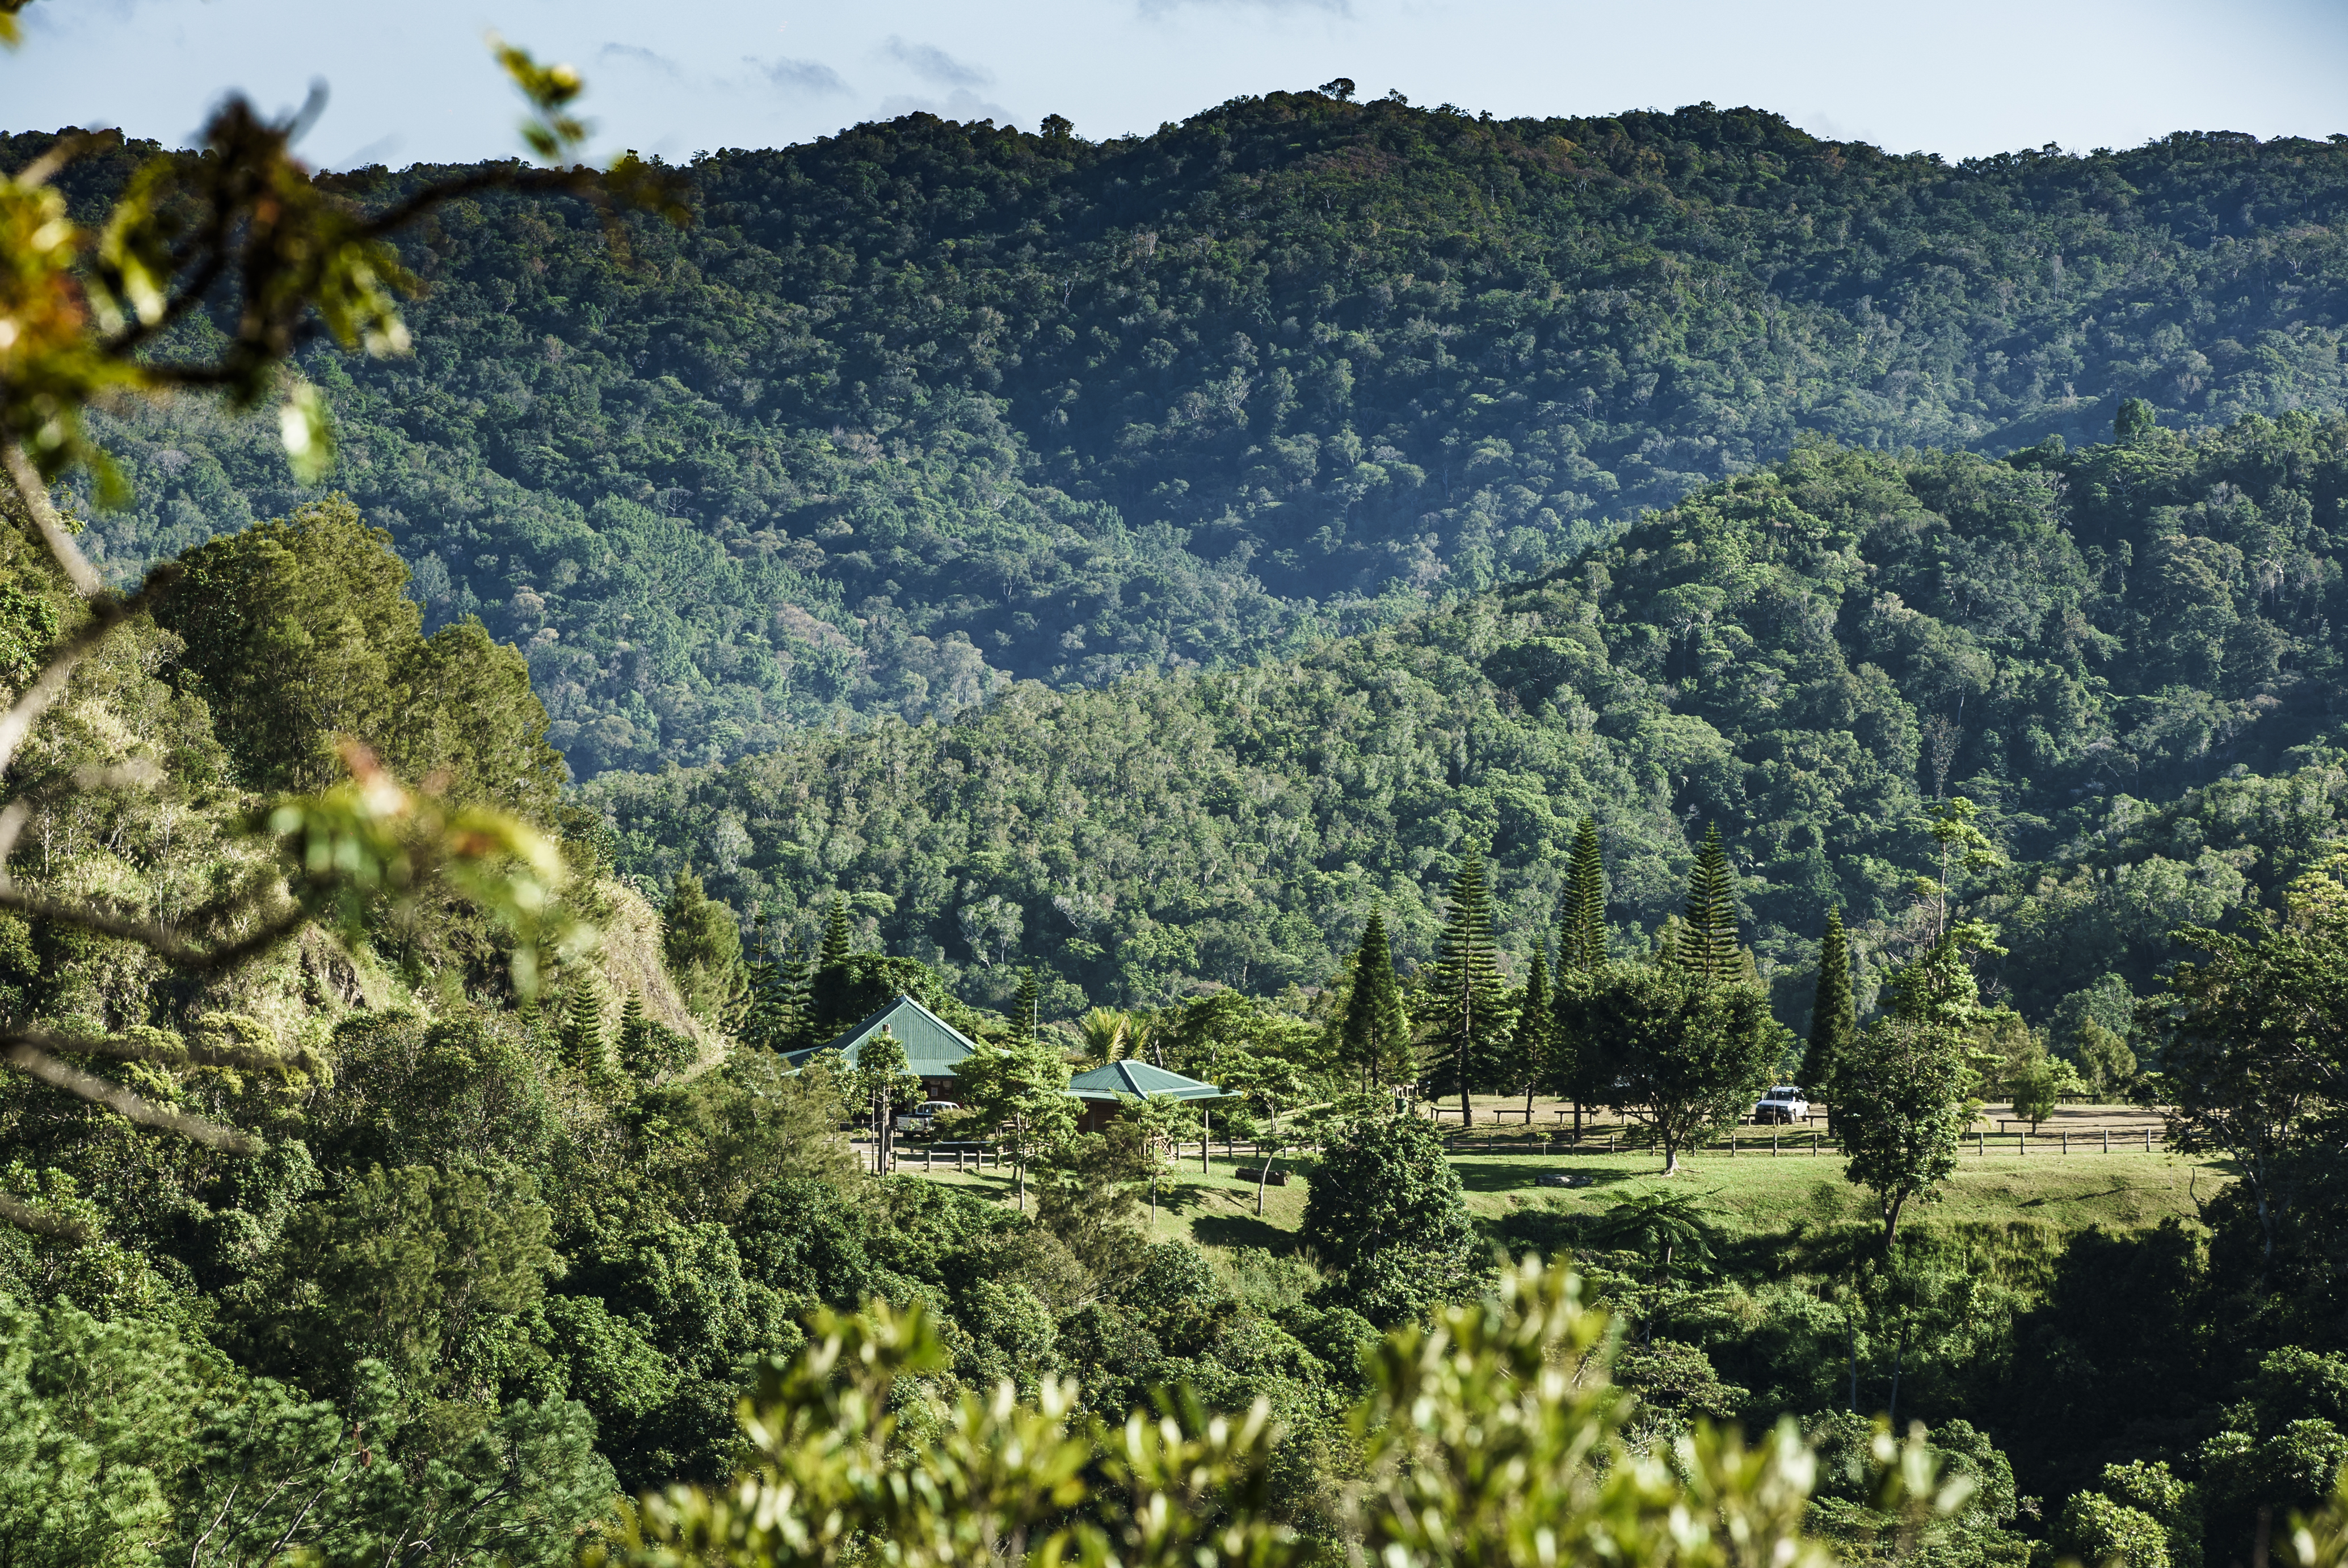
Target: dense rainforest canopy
x=925, y=406
x=1145, y=573
x=2123, y=653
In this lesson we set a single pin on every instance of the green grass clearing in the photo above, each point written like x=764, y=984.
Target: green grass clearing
x=1756, y=1192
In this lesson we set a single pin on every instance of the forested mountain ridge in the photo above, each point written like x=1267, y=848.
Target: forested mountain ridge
x=923, y=405
x=1807, y=655
x=386, y=1181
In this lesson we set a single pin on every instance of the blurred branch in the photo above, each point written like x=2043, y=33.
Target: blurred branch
x=106, y=615
x=41, y=1222
x=26, y=482
x=242, y=230
x=130, y=1107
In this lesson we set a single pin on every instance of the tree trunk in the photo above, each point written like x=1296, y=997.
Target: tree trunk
x=1899, y=1356
x=1854, y=1366
x=1263, y=1177
x=1467, y=1106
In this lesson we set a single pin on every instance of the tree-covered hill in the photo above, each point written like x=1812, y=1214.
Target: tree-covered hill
x=1807, y=655
x=924, y=405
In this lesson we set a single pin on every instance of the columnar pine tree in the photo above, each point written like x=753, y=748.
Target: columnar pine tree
x=773, y=1008
x=581, y=1039
x=826, y=1003
x=1529, y=1063
x=1468, y=1001
x=1706, y=942
x=1374, y=1037
x=635, y=1041
x=1024, y=1005
x=836, y=936
x=1583, y=950
x=1581, y=915
x=1834, y=1016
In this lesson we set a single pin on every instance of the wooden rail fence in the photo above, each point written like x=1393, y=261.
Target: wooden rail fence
x=1244, y=1156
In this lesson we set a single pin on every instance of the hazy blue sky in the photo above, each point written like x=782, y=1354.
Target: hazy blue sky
x=410, y=81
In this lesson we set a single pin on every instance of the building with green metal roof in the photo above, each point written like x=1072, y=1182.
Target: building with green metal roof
x=933, y=1048
x=1107, y=1087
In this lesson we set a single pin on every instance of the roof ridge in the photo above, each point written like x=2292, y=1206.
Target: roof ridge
x=850, y=1038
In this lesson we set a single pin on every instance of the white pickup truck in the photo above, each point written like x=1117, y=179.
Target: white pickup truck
x=1784, y=1103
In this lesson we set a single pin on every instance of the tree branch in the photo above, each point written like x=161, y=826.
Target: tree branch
x=40, y=1221
x=25, y=480
x=569, y=181
x=131, y=1107
x=106, y=614
x=179, y=954
x=115, y=1049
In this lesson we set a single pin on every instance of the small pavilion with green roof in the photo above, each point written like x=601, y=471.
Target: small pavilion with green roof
x=933, y=1048
x=1104, y=1088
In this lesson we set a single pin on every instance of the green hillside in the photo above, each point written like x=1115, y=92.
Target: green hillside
x=406, y=1154
x=925, y=406
x=1805, y=655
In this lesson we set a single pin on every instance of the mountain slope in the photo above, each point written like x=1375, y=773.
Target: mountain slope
x=1807, y=655
x=924, y=406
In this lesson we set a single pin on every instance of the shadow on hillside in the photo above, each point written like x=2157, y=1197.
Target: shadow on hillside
x=1242, y=1230
x=1516, y=1175
x=2043, y=1199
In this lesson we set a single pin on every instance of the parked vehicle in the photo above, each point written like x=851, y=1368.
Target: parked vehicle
x=1784, y=1103
x=923, y=1117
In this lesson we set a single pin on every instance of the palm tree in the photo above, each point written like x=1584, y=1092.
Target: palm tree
x=1107, y=1035
x=1663, y=1225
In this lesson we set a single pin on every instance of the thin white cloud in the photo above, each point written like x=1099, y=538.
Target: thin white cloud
x=932, y=64
x=798, y=75
x=637, y=55
x=380, y=150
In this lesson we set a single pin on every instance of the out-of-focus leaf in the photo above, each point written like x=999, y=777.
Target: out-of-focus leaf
x=308, y=432
x=552, y=130
x=373, y=836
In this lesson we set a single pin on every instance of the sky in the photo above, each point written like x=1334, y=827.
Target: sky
x=413, y=82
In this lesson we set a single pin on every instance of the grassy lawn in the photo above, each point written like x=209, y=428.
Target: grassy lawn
x=1756, y=1193
x=1753, y=1192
